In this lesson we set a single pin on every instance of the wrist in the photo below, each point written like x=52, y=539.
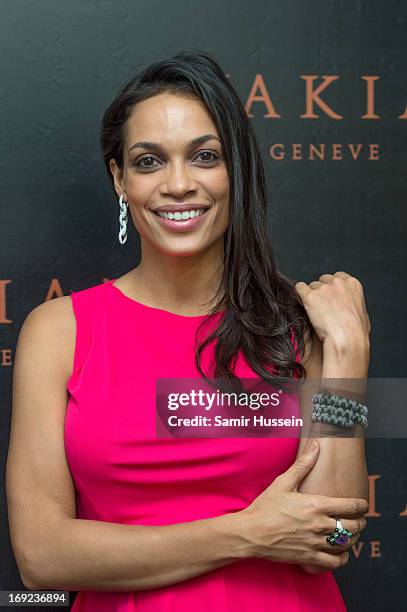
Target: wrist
x=347, y=347
x=346, y=360
x=236, y=525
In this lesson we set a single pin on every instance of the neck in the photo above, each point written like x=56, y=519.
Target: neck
x=185, y=284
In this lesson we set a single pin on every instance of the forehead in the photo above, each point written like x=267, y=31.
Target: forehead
x=167, y=117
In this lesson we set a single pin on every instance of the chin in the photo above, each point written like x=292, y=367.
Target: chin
x=184, y=252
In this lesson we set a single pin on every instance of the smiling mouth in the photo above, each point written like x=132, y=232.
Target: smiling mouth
x=180, y=217
x=181, y=225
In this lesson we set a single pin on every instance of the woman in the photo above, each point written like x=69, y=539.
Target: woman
x=97, y=502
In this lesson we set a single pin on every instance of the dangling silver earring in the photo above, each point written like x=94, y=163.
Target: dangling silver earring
x=123, y=220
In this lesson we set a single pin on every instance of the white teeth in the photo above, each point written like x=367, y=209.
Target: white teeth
x=178, y=216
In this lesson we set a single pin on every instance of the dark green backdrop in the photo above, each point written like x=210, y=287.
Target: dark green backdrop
x=62, y=62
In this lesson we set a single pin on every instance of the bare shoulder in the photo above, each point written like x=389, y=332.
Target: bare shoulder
x=49, y=329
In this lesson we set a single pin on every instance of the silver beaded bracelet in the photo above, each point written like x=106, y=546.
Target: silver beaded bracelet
x=338, y=410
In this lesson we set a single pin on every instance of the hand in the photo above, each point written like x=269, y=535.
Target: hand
x=336, y=308
x=286, y=526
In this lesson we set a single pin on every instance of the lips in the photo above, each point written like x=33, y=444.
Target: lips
x=179, y=207
x=182, y=225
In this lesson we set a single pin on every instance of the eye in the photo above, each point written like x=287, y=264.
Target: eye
x=138, y=163
x=215, y=156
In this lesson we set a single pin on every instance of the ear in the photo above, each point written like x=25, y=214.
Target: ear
x=117, y=178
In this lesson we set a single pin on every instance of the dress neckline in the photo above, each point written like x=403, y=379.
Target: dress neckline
x=119, y=293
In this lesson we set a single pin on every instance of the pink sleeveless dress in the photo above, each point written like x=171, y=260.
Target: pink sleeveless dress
x=124, y=474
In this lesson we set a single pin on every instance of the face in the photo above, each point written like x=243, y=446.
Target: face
x=166, y=166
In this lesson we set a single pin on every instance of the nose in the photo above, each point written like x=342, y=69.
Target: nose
x=178, y=179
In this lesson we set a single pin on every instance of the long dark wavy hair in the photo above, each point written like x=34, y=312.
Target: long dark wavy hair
x=262, y=311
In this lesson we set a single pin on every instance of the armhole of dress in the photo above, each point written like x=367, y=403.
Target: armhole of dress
x=81, y=338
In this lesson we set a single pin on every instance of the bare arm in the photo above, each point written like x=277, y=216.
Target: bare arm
x=53, y=548
x=95, y=555
x=341, y=469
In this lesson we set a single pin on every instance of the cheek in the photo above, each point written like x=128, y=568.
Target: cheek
x=226, y=218
x=221, y=194
x=220, y=184
x=140, y=187
x=223, y=212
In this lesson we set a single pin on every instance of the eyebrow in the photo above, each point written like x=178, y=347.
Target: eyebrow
x=155, y=146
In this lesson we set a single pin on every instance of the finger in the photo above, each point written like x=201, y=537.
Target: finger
x=337, y=549
x=352, y=525
x=342, y=274
x=330, y=561
x=314, y=284
x=302, y=289
x=343, y=506
x=326, y=278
